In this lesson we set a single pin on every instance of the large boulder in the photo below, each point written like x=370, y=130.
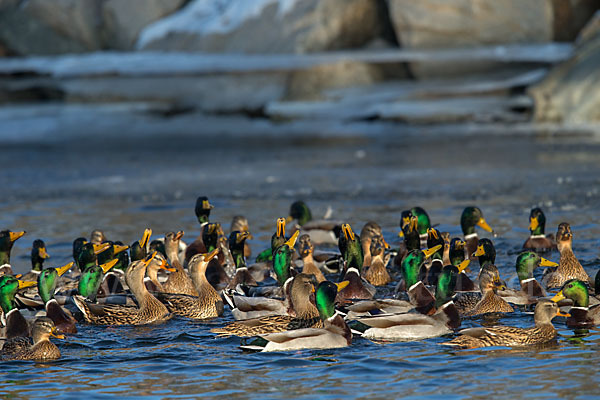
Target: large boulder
x=266, y=26
x=570, y=93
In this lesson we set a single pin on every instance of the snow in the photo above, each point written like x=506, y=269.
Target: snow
x=205, y=17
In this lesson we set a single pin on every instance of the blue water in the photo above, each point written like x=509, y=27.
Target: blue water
x=60, y=192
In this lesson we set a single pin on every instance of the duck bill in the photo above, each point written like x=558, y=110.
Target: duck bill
x=562, y=314
x=480, y=251
x=206, y=205
x=149, y=258
x=107, y=266
x=211, y=255
x=43, y=253
x=119, y=249
x=484, y=225
x=547, y=263
x=432, y=251
x=414, y=222
x=347, y=229
x=26, y=284
x=558, y=297
x=405, y=221
x=180, y=234
x=292, y=242
x=460, y=244
x=385, y=244
x=342, y=285
x=16, y=235
x=61, y=270
x=463, y=265
x=281, y=227
x=99, y=248
x=400, y=234
x=145, y=238
x=54, y=333
x=242, y=236
x=432, y=233
x=533, y=223
x=165, y=265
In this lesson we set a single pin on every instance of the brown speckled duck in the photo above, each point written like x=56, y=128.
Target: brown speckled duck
x=305, y=251
x=178, y=281
x=568, y=266
x=489, y=283
x=376, y=273
x=20, y=348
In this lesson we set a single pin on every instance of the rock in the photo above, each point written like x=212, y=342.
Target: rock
x=49, y=26
x=467, y=23
x=570, y=93
x=123, y=20
x=266, y=26
x=570, y=16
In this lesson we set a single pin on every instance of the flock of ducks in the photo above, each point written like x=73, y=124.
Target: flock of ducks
x=287, y=299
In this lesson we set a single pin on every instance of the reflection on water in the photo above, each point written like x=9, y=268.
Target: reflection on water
x=59, y=193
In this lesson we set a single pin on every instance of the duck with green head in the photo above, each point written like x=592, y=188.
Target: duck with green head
x=456, y=254
x=237, y=245
x=351, y=248
x=423, y=222
x=431, y=270
x=91, y=279
x=7, y=240
x=485, y=253
x=418, y=294
x=277, y=240
x=138, y=250
x=472, y=217
x=112, y=279
x=538, y=241
x=77, y=248
x=38, y=256
x=47, y=281
x=581, y=314
x=526, y=263
x=412, y=240
x=15, y=323
x=324, y=231
x=88, y=255
x=334, y=333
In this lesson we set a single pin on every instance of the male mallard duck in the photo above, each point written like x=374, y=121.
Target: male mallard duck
x=581, y=314
x=543, y=331
x=334, y=333
x=305, y=251
x=91, y=278
x=47, y=280
x=423, y=222
x=456, y=254
x=87, y=255
x=412, y=240
x=240, y=223
x=323, y=231
x=237, y=244
x=207, y=305
x=489, y=283
x=485, y=253
x=202, y=211
x=20, y=348
x=111, y=283
x=150, y=309
x=15, y=323
x=277, y=240
x=531, y=290
x=351, y=249
x=306, y=314
x=538, y=241
x=419, y=296
x=138, y=250
x=377, y=274
x=431, y=269
x=38, y=256
x=470, y=218
x=213, y=238
x=178, y=281
x=7, y=240
x=568, y=266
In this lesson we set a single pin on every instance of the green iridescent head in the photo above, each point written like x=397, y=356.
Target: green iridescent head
x=575, y=290
x=446, y=285
x=7, y=240
x=237, y=241
x=457, y=251
x=77, y=247
x=112, y=251
x=537, y=221
x=528, y=261
x=423, y=219
x=38, y=255
x=351, y=248
x=139, y=249
x=91, y=279
x=88, y=256
x=9, y=285
x=410, y=231
x=202, y=209
x=325, y=295
x=434, y=238
x=299, y=211
x=210, y=235
x=282, y=259
x=472, y=217
x=410, y=267
x=486, y=252
x=278, y=238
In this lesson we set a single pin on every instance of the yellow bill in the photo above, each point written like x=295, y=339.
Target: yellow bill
x=145, y=238
x=107, y=266
x=119, y=249
x=16, y=235
x=61, y=270
x=55, y=333
x=432, y=251
x=292, y=242
x=484, y=225
x=533, y=223
x=463, y=265
x=212, y=254
x=480, y=251
x=281, y=227
x=558, y=297
x=547, y=263
x=43, y=253
x=26, y=284
x=99, y=248
x=342, y=285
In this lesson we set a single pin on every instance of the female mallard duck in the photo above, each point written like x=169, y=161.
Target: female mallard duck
x=7, y=240
x=370, y=231
x=150, y=309
x=15, y=323
x=305, y=251
x=568, y=266
x=207, y=305
x=470, y=218
x=334, y=333
x=38, y=256
x=91, y=278
x=306, y=314
x=157, y=263
x=538, y=241
x=47, y=280
x=240, y=223
x=377, y=274
x=581, y=314
x=543, y=331
x=237, y=244
x=178, y=281
x=456, y=254
x=531, y=290
x=489, y=283
x=20, y=348
x=323, y=231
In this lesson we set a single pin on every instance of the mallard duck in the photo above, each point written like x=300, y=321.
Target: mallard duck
x=91, y=278
x=237, y=244
x=419, y=296
x=568, y=266
x=485, y=253
x=543, y=331
x=456, y=255
x=150, y=309
x=370, y=231
x=7, y=240
x=88, y=255
x=306, y=314
x=334, y=333
x=412, y=240
x=470, y=218
x=207, y=305
x=323, y=231
x=531, y=290
x=47, y=281
x=38, y=256
x=277, y=240
x=157, y=263
x=431, y=269
x=20, y=348
x=212, y=237
x=351, y=249
x=202, y=211
x=240, y=223
x=357, y=288
x=15, y=323
x=178, y=281
x=111, y=283
x=376, y=273
x=138, y=250
x=489, y=284
x=581, y=314
x=305, y=251
x=538, y=241
x=423, y=222
x=97, y=237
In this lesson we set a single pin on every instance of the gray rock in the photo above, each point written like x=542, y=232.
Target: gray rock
x=570, y=93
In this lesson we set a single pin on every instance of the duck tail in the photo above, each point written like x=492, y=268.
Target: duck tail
x=82, y=306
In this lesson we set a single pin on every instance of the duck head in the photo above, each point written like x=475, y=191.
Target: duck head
x=38, y=255
x=351, y=248
x=410, y=231
x=485, y=253
x=528, y=261
x=202, y=209
x=9, y=286
x=305, y=246
x=472, y=217
x=457, y=251
x=210, y=235
x=575, y=290
x=537, y=221
x=564, y=236
x=48, y=279
x=91, y=279
x=434, y=238
x=412, y=263
x=325, y=296
x=139, y=249
x=7, y=240
x=299, y=211
x=237, y=241
x=282, y=259
x=545, y=311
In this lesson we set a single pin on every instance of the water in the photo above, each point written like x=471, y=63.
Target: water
x=60, y=190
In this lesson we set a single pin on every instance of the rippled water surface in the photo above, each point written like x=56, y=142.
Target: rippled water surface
x=60, y=191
